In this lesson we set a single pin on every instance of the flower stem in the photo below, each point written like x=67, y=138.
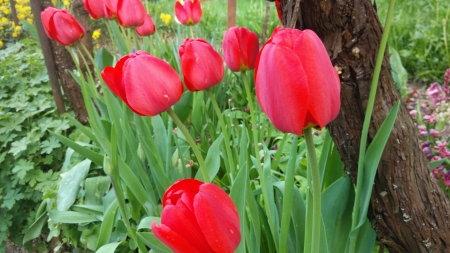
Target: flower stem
x=288, y=197
x=316, y=192
x=192, y=143
x=225, y=132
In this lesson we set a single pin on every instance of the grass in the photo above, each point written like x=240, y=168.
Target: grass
x=420, y=33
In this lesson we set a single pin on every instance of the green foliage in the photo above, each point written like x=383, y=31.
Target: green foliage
x=29, y=156
x=419, y=32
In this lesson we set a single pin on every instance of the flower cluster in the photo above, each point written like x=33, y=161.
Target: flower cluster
x=9, y=29
x=433, y=115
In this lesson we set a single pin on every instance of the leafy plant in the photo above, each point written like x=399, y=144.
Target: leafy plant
x=29, y=156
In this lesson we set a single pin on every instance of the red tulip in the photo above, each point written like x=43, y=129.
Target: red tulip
x=201, y=65
x=240, y=48
x=296, y=84
x=111, y=9
x=148, y=85
x=96, y=8
x=188, y=12
x=130, y=13
x=61, y=26
x=147, y=28
x=198, y=217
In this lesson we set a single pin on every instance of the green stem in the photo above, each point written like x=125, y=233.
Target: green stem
x=288, y=197
x=316, y=192
x=366, y=124
x=191, y=143
x=225, y=133
x=267, y=203
x=169, y=144
x=111, y=36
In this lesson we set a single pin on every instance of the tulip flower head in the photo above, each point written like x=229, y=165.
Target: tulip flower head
x=147, y=28
x=296, y=84
x=110, y=9
x=188, y=12
x=198, y=217
x=61, y=26
x=130, y=13
x=95, y=8
x=148, y=85
x=201, y=65
x=240, y=48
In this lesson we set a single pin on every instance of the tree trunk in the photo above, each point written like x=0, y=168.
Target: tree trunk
x=409, y=211
x=64, y=64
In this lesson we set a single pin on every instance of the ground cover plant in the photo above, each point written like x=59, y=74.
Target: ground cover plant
x=143, y=156
x=30, y=157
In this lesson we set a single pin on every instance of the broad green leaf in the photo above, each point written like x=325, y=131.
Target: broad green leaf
x=89, y=154
x=184, y=107
x=19, y=146
x=71, y=217
x=366, y=238
x=22, y=167
x=160, y=136
x=95, y=189
x=212, y=160
x=49, y=145
x=70, y=184
x=103, y=58
x=35, y=230
x=146, y=223
x=334, y=168
x=236, y=194
x=84, y=129
x=435, y=164
x=337, y=203
x=372, y=159
x=108, y=248
x=150, y=240
x=107, y=224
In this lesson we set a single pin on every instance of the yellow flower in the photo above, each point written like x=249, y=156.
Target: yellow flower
x=30, y=20
x=165, y=18
x=3, y=21
x=96, y=34
x=1, y=43
x=17, y=28
x=14, y=34
x=21, y=16
x=66, y=3
x=6, y=11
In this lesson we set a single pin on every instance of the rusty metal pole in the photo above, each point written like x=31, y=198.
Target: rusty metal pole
x=48, y=57
x=231, y=13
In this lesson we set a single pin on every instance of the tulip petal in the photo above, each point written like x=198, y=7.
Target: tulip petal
x=95, y=8
x=323, y=81
x=281, y=88
x=219, y=219
x=147, y=28
x=196, y=11
x=111, y=9
x=46, y=16
x=231, y=50
x=183, y=222
x=175, y=191
x=173, y=240
x=151, y=85
x=180, y=13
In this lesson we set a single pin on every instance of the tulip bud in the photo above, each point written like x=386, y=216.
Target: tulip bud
x=61, y=26
x=148, y=85
x=107, y=166
x=240, y=48
x=296, y=84
x=201, y=65
x=110, y=9
x=198, y=217
x=188, y=12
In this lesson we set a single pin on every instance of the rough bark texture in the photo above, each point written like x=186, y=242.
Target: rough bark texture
x=409, y=211
x=64, y=64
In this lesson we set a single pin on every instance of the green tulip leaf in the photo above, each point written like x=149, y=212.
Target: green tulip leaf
x=212, y=160
x=154, y=243
x=108, y=248
x=71, y=217
x=107, y=225
x=70, y=184
x=89, y=154
x=103, y=58
x=35, y=230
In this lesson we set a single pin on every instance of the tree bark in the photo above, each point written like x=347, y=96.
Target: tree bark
x=409, y=211
x=64, y=64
